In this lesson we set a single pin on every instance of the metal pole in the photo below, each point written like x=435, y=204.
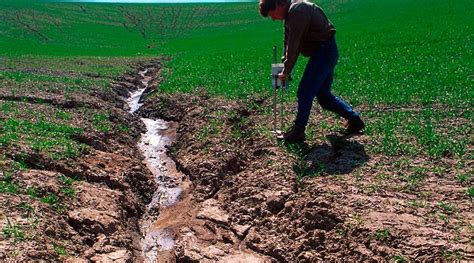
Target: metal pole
x=275, y=121
x=283, y=86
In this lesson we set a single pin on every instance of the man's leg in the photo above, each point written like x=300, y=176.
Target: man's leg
x=315, y=74
x=320, y=66
x=333, y=103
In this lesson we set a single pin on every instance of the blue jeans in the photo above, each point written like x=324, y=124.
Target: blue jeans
x=316, y=82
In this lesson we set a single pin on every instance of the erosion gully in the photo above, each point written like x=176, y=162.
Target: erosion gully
x=156, y=226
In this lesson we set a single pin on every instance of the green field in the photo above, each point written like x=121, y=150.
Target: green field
x=407, y=72
x=392, y=52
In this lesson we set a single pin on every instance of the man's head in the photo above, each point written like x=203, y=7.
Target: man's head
x=276, y=9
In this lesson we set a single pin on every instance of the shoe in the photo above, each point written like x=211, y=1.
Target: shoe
x=354, y=125
x=294, y=135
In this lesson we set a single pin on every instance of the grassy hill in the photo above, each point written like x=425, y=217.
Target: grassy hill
x=392, y=52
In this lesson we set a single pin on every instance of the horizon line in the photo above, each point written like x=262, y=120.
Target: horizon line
x=149, y=1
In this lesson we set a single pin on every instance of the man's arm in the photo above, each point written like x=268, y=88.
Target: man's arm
x=297, y=23
x=285, y=40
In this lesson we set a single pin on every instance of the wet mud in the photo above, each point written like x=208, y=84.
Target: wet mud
x=157, y=242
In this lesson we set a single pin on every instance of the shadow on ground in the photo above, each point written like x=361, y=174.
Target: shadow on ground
x=341, y=156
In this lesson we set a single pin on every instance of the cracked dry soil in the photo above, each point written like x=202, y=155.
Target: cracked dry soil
x=244, y=203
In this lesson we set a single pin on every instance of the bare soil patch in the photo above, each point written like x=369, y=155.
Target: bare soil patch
x=79, y=208
x=249, y=197
x=256, y=199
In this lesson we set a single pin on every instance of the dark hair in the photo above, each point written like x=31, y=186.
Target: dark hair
x=264, y=6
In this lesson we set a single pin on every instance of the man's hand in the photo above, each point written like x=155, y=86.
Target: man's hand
x=281, y=76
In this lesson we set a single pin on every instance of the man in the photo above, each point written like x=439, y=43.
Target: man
x=309, y=32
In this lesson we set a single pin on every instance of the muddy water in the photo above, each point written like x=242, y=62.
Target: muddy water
x=134, y=99
x=157, y=242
